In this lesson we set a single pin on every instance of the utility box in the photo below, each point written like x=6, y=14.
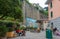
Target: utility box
x=49, y=34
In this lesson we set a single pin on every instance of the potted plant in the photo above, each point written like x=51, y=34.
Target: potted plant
x=21, y=28
x=38, y=29
x=10, y=32
x=3, y=30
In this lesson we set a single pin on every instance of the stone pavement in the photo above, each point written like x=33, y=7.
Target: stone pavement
x=31, y=35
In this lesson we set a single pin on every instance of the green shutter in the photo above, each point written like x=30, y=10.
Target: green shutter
x=51, y=5
x=51, y=14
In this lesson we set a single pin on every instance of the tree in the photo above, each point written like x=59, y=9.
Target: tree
x=46, y=13
x=11, y=8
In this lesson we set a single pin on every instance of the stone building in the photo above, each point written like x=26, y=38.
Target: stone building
x=32, y=15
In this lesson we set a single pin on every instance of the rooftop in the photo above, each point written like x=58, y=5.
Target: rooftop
x=48, y=1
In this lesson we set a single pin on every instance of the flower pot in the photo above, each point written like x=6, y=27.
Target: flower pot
x=10, y=34
x=3, y=37
x=38, y=30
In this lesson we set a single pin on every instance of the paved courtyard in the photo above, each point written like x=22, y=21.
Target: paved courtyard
x=30, y=35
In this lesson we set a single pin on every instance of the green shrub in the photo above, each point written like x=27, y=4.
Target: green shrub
x=35, y=27
x=3, y=30
x=22, y=28
x=10, y=29
x=9, y=24
x=31, y=27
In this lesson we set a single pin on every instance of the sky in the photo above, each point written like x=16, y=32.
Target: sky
x=41, y=2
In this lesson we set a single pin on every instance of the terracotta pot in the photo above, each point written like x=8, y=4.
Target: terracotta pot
x=10, y=34
x=3, y=37
x=15, y=35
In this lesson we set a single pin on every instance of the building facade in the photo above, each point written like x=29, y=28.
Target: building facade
x=31, y=14
x=54, y=12
x=30, y=11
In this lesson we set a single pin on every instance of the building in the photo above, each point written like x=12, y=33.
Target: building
x=30, y=12
x=54, y=13
x=32, y=15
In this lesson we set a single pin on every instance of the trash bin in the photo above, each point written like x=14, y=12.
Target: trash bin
x=49, y=34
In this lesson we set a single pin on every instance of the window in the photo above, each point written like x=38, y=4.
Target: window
x=51, y=14
x=51, y=4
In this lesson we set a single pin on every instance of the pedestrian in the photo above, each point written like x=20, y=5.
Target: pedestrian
x=18, y=31
x=54, y=30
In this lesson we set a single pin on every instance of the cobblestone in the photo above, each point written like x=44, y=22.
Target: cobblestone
x=30, y=35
